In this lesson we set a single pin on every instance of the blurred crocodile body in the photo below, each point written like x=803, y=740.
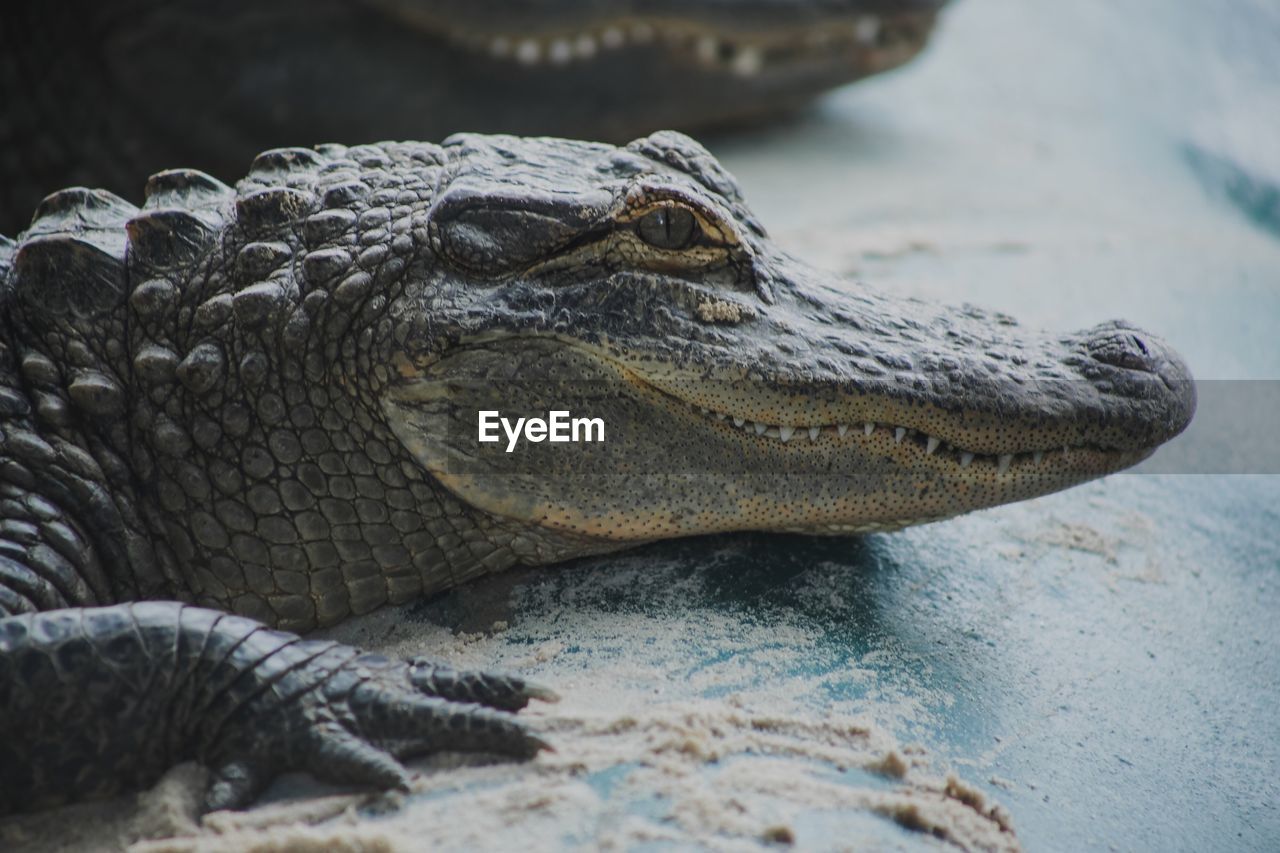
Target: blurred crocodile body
x=104, y=94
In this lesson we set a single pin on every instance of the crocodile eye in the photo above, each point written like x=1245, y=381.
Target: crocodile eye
x=668, y=228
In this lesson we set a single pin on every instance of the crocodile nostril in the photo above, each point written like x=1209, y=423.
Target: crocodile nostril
x=1121, y=347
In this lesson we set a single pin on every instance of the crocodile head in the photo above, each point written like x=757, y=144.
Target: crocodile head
x=739, y=388
x=288, y=377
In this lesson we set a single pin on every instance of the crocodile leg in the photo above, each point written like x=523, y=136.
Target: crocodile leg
x=94, y=701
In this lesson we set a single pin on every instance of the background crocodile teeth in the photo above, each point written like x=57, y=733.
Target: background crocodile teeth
x=867, y=29
x=747, y=61
x=560, y=51
x=528, y=52
x=711, y=50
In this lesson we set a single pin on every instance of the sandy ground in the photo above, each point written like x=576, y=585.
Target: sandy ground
x=721, y=758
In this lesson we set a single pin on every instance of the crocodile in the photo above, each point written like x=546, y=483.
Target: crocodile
x=232, y=416
x=104, y=94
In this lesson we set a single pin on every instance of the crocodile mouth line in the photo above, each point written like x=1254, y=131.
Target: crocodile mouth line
x=928, y=445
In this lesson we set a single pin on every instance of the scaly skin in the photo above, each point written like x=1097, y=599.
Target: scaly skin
x=264, y=401
x=104, y=94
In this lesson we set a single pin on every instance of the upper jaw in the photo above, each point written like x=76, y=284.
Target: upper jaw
x=837, y=356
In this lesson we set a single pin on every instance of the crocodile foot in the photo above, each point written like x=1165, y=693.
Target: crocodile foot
x=367, y=715
x=109, y=698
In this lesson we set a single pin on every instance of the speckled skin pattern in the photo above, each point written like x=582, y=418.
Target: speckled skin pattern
x=262, y=401
x=104, y=94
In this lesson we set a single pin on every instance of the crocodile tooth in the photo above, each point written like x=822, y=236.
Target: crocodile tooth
x=1002, y=464
x=612, y=38
x=748, y=62
x=704, y=410
x=785, y=433
x=867, y=28
x=739, y=422
x=1037, y=456
x=721, y=416
x=1065, y=450
x=899, y=434
x=842, y=429
x=500, y=46
x=760, y=428
x=708, y=48
x=932, y=445
x=560, y=51
x=868, y=428
x=965, y=458
x=528, y=52
x=814, y=432
x=584, y=46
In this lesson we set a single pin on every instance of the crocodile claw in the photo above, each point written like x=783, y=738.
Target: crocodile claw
x=364, y=714
x=501, y=691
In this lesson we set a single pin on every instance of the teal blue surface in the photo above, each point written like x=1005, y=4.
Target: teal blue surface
x=1122, y=688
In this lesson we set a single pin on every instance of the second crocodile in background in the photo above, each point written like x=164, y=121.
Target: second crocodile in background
x=104, y=94
x=263, y=401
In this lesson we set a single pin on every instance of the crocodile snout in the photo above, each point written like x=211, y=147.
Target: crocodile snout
x=1120, y=344
x=1144, y=358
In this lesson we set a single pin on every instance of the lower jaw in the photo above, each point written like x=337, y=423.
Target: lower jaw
x=811, y=503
